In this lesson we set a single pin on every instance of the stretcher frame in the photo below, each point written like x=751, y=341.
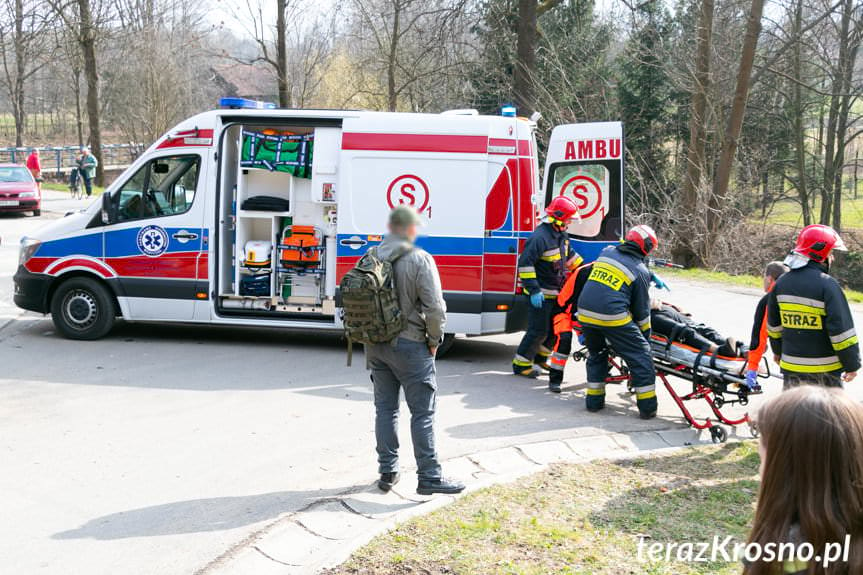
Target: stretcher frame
x=710, y=382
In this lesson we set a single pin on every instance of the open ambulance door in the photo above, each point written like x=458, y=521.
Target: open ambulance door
x=585, y=163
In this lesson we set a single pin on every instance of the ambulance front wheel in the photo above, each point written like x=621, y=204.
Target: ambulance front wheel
x=446, y=345
x=82, y=308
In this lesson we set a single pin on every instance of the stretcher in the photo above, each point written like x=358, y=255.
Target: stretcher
x=719, y=381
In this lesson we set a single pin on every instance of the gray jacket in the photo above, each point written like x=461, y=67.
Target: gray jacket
x=419, y=290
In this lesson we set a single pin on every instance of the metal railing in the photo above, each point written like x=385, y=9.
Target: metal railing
x=59, y=160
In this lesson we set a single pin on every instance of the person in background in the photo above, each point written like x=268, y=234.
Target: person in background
x=542, y=269
x=34, y=164
x=87, y=168
x=811, y=489
x=614, y=310
x=758, y=342
x=809, y=322
x=409, y=362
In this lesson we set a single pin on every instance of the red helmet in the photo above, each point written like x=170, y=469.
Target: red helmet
x=644, y=237
x=817, y=241
x=562, y=209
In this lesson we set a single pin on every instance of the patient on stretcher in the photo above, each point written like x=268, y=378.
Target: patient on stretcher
x=670, y=322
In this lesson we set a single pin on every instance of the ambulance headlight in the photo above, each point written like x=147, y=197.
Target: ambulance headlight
x=27, y=250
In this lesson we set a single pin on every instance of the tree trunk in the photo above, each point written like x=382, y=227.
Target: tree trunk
x=765, y=191
x=685, y=249
x=799, y=126
x=87, y=40
x=833, y=134
x=392, y=58
x=20, y=64
x=525, y=63
x=738, y=108
x=846, y=67
x=282, y=55
x=79, y=116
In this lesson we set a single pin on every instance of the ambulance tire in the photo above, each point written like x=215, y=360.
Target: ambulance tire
x=446, y=345
x=82, y=308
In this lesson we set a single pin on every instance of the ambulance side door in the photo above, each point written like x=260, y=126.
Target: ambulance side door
x=156, y=236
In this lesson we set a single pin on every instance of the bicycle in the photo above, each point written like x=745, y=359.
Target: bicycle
x=75, y=187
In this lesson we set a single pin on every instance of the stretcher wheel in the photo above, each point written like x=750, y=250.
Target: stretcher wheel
x=718, y=401
x=718, y=434
x=753, y=429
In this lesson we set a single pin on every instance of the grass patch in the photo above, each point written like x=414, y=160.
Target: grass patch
x=63, y=187
x=580, y=519
x=788, y=212
x=742, y=280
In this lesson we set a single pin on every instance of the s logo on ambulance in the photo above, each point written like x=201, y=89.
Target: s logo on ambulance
x=152, y=241
x=410, y=190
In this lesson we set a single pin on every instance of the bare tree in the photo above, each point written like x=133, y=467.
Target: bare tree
x=408, y=42
x=23, y=52
x=686, y=249
x=524, y=72
x=735, y=118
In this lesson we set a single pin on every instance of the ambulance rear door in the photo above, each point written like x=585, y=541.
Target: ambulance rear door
x=585, y=163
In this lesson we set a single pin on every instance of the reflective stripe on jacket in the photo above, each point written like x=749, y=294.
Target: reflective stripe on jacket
x=545, y=260
x=810, y=324
x=616, y=291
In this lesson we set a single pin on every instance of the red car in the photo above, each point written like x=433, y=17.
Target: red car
x=18, y=190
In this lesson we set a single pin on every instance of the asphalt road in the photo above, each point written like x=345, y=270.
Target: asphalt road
x=156, y=449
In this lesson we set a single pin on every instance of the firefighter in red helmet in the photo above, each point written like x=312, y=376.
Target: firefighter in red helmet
x=542, y=268
x=614, y=310
x=808, y=319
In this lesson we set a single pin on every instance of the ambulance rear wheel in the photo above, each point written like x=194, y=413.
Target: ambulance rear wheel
x=446, y=345
x=82, y=308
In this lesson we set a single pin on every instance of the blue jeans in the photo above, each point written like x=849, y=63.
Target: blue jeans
x=407, y=365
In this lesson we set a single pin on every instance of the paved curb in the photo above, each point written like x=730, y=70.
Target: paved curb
x=325, y=533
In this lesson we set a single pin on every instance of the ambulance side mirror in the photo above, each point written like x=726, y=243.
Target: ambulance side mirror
x=107, y=209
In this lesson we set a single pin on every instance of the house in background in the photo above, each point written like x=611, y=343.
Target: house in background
x=254, y=81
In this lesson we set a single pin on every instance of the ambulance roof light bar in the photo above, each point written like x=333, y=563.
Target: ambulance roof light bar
x=245, y=104
x=508, y=111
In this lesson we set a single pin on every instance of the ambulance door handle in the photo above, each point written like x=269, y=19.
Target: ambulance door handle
x=185, y=236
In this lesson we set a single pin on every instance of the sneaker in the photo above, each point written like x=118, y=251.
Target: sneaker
x=387, y=480
x=442, y=485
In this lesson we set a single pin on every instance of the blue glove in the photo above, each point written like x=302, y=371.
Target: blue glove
x=657, y=281
x=581, y=339
x=752, y=379
x=537, y=299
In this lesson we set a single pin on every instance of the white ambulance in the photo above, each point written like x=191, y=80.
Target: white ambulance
x=249, y=217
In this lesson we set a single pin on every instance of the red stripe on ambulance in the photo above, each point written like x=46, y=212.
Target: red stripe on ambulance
x=414, y=143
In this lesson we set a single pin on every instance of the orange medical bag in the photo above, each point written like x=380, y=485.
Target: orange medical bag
x=300, y=247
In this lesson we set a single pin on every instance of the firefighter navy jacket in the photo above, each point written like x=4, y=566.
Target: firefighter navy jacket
x=616, y=291
x=543, y=264
x=810, y=324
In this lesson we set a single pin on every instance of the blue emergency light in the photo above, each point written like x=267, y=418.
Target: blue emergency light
x=245, y=104
x=508, y=111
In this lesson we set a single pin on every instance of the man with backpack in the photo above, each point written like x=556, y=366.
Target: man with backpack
x=393, y=303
